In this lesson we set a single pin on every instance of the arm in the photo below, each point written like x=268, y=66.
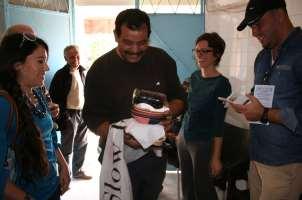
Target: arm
x=102, y=131
x=53, y=107
x=4, y=173
x=215, y=163
x=97, y=107
x=290, y=114
x=290, y=117
x=254, y=110
x=8, y=189
x=220, y=111
x=175, y=93
x=63, y=172
x=176, y=107
x=13, y=192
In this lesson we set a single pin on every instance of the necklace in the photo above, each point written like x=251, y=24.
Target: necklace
x=37, y=106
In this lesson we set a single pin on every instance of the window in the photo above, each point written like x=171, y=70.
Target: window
x=171, y=6
x=55, y=5
x=94, y=30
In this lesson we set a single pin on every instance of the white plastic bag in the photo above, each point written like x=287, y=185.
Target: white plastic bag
x=115, y=182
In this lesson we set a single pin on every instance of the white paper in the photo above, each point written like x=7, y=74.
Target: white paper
x=234, y=98
x=265, y=94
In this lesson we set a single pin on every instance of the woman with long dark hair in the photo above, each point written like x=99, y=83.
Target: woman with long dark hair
x=28, y=144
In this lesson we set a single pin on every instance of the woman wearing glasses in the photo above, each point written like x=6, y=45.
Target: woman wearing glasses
x=28, y=145
x=200, y=139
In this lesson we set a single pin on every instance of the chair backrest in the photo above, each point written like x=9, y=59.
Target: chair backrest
x=235, y=145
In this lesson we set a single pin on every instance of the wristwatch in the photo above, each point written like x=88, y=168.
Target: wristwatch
x=264, y=116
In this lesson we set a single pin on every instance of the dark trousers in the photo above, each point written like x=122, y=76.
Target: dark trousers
x=147, y=175
x=194, y=158
x=74, y=139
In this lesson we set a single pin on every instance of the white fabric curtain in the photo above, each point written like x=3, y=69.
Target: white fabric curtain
x=104, y=2
x=226, y=5
x=55, y=5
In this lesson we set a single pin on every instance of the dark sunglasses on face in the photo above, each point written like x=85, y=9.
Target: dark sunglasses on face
x=27, y=37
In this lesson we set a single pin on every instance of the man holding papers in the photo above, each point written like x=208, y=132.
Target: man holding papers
x=276, y=143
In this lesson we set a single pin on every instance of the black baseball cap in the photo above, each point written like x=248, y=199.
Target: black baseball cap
x=256, y=9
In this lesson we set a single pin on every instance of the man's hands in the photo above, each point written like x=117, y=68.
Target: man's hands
x=252, y=110
x=167, y=123
x=215, y=167
x=103, y=130
x=176, y=108
x=215, y=162
x=131, y=141
x=54, y=109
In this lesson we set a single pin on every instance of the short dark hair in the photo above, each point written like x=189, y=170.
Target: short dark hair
x=133, y=19
x=215, y=42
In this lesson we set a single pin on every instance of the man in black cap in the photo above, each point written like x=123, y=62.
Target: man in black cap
x=276, y=143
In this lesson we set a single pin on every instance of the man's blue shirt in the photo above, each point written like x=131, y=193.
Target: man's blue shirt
x=278, y=144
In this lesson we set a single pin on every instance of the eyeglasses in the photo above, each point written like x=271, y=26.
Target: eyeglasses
x=27, y=37
x=202, y=51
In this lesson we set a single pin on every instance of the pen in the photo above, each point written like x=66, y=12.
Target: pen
x=246, y=101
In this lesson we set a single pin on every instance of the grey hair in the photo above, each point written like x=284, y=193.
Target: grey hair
x=66, y=49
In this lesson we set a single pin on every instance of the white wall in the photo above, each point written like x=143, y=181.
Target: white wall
x=51, y=26
x=241, y=47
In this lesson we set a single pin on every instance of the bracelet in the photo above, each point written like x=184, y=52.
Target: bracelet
x=264, y=116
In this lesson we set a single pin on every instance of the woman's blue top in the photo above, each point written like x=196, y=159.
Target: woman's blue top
x=42, y=187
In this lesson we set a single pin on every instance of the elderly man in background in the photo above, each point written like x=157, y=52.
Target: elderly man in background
x=67, y=89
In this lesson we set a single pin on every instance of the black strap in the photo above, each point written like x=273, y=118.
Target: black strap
x=117, y=126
